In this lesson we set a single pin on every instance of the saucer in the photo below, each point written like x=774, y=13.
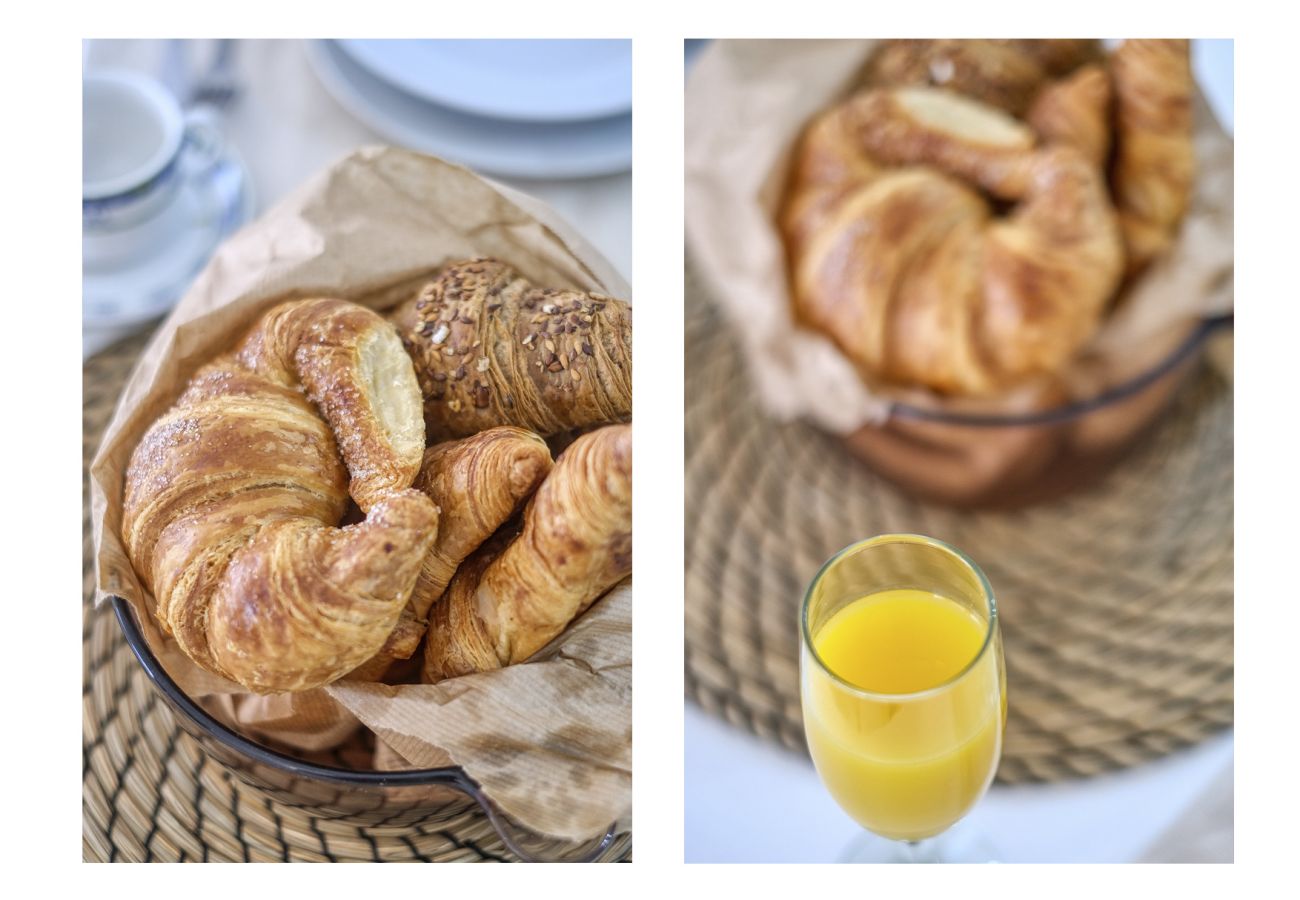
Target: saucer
x=123, y=285
x=549, y=150
x=522, y=80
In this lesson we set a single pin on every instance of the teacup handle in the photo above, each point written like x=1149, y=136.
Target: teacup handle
x=204, y=141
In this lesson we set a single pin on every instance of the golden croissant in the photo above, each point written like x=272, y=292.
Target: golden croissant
x=234, y=495
x=1076, y=111
x=1155, y=164
x=492, y=349
x=503, y=605
x=477, y=483
x=898, y=254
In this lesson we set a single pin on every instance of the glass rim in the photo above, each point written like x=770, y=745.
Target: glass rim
x=906, y=538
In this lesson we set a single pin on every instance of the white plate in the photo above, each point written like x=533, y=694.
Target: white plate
x=524, y=80
x=525, y=149
x=118, y=292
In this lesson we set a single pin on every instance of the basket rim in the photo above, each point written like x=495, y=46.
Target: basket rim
x=453, y=776
x=450, y=776
x=1205, y=328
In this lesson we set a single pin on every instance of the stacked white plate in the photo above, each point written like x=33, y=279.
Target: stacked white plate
x=524, y=108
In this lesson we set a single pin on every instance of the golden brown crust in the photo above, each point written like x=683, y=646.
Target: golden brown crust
x=954, y=134
x=1056, y=56
x=233, y=495
x=303, y=604
x=492, y=349
x=1155, y=166
x=1076, y=112
x=1002, y=73
x=345, y=358
x=904, y=265
x=478, y=483
x=504, y=605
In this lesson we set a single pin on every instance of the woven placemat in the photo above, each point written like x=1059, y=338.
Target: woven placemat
x=150, y=792
x=1116, y=600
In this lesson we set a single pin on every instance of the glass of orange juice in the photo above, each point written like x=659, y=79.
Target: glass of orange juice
x=904, y=690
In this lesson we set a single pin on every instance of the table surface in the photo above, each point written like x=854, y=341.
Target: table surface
x=286, y=126
x=750, y=801
x=747, y=800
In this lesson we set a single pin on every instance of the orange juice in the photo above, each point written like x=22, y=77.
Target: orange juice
x=911, y=750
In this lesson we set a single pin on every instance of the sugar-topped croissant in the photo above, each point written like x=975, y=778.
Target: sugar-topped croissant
x=898, y=254
x=492, y=349
x=504, y=605
x=234, y=495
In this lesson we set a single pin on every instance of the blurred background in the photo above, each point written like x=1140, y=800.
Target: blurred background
x=551, y=118
x=1109, y=767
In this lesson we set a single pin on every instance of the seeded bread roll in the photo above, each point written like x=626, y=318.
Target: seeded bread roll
x=1001, y=73
x=492, y=349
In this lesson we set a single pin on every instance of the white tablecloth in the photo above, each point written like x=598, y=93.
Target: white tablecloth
x=287, y=127
x=749, y=801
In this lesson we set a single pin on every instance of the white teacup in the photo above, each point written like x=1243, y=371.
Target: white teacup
x=137, y=147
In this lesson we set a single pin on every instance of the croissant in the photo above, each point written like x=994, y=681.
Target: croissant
x=233, y=496
x=492, y=349
x=1075, y=111
x=503, y=605
x=1002, y=73
x=1155, y=163
x=478, y=483
x=898, y=257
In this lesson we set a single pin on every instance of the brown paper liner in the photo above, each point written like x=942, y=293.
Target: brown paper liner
x=746, y=105
x=370, y=229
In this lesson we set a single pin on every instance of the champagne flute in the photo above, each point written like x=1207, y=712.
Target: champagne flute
x=903, y=687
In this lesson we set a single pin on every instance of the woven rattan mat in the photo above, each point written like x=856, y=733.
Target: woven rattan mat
x=1116, y=600
x=149, y=790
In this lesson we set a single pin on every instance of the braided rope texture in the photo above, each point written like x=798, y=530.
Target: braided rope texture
x=1116, y=600
x=151, y=793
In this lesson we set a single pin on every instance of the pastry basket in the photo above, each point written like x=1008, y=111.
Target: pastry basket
x=979, y=458
x=398, y=799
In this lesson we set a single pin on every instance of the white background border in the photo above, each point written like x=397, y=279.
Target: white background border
x=43, y=503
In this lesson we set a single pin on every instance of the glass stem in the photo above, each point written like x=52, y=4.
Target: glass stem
x=921, y=851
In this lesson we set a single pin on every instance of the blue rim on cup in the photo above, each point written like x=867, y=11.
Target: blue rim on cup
x=146, y=179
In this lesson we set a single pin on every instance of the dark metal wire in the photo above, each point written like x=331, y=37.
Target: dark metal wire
x=1207, y=327
x=448, y=776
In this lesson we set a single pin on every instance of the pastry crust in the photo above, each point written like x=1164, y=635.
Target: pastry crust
x=233, y=497
x=492, y=349
x=897, y=255
x=1076, y=112
x=1002, y=73
x=1155, y=164
x=505, y=604
x=478, y=484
